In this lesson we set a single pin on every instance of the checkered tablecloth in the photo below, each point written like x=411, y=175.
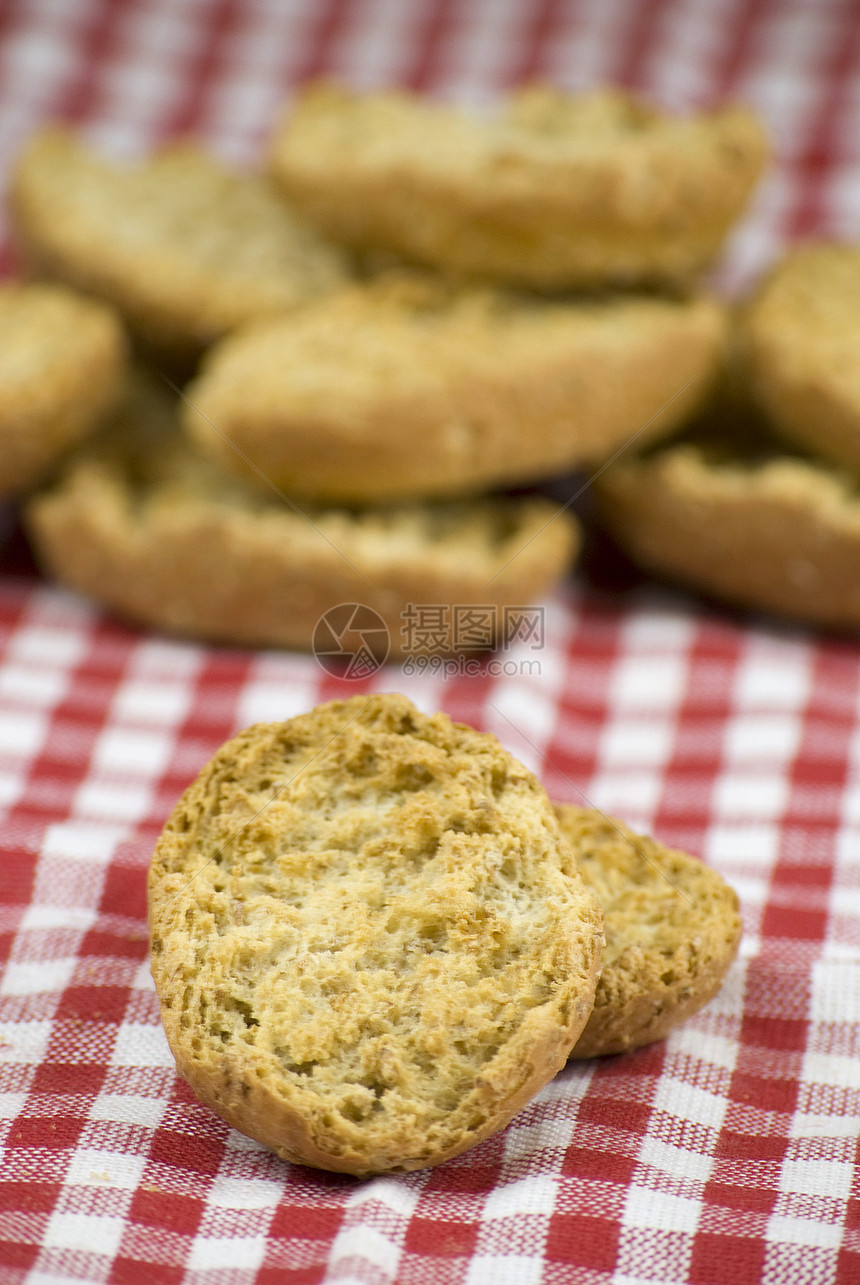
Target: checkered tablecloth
x=724, y=1156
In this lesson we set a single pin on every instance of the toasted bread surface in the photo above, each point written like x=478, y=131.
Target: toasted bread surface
x=369, y=940
x=62, y=363
x=672, y=931
x=768, y=529
x=182, y=246
x=143, y=522
x=408, y=386
x=801, y=335
x=554, y=191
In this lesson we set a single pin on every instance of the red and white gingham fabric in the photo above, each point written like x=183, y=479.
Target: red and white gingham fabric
x=726, y=1155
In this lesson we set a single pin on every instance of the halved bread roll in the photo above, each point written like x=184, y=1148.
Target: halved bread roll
x=144, y=523
x=409, y=387
x=183, y=247
x=672, y=931
x=369, y=939
x=62, y=366
x=555, y=191
x=801, y=336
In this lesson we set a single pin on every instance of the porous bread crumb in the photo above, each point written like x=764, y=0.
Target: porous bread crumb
x=62, y=363
x=185, y=248
x=672, y=931
x=553, y=191
x=369, y=940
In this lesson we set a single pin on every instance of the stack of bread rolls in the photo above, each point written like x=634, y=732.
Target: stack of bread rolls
x=757, y=503
x=354, y=358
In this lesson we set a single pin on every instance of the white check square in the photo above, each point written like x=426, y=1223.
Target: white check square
x=660, y=1210
x=37, y=977
x=504, y=1269
x=22, y=732
x=140, y=700
x=817, y=1177
x=138, y=1045
x=224, y=1252
x=90, y=1167
x=135, y=751
x=85, y=1233
x=113, y=800
x=51, y=648
x=535, y=1195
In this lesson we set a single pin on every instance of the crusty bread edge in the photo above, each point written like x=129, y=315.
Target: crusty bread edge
x=528, y=1061
x=783, y=537
x=234, y=578
x=649, y=1015
x=528, y=419
x=586, y=220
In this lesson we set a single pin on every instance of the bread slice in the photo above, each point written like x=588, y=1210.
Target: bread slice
x=672, y=932
x=186, y=249
x=144, y=523
x=369, y=940
x=552, y=192
x=732, y=513
x=407, y=387
x=62, y=364
x=802, y=334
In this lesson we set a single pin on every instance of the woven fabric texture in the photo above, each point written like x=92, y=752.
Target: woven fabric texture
x=726, y=1155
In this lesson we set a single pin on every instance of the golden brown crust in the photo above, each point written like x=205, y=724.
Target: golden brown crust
x=556, y=191
x=408, y=387
x=184, y=248
x=774, y=532
x=802, y=335
x=62, y=362
x=369, y=940
x=672, y=931
x=143, y=523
